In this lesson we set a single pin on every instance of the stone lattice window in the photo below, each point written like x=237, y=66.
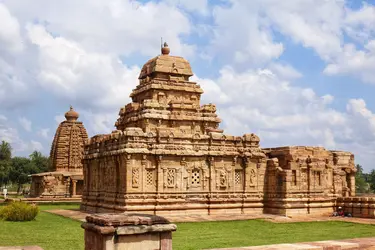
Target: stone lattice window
x=150, y=178
x=170, y=177
x=195, y=177
x=238, y=176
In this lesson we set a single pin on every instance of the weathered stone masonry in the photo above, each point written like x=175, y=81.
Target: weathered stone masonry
x=168, y=156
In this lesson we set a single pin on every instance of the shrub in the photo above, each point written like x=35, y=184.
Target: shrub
x=19, y=211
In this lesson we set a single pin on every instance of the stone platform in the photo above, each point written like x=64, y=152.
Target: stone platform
x=46, y=200
x=79, y=215
x=352, y=244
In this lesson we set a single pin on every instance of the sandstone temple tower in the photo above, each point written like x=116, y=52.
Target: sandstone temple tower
x=66, y=176
x=169, y=156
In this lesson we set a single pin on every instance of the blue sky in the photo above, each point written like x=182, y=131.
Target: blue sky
x=297, y=72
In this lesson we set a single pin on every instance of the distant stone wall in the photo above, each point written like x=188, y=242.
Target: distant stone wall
x=363, y=207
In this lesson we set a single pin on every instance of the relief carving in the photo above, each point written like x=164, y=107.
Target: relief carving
x=135, y=177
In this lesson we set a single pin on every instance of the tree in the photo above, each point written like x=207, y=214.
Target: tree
x=19, y=173
x=5, y=151
x=41, y=162
x=371, y=179
x=361, y=184
x=5, y=162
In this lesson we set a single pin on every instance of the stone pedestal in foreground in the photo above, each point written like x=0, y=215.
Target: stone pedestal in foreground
x=127, y=231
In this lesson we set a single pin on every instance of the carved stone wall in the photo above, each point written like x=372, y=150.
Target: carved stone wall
x=169, y=156
x=308, y=177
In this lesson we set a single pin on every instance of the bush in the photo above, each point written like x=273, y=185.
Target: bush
x=19, y=211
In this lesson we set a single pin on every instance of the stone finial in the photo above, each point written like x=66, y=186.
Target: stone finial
x=165, y=49
x=71, y=115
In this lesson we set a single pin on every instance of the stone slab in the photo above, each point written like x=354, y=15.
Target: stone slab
x=352, y=244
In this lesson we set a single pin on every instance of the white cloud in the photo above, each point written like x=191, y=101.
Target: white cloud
x=247, y=32
x=262, y=102
x=44, y=132
x=196, y=6
x=35, y=146
x=11, y=135
x=114, y=26
x=360, y=63
x=360, y=24
x=74, y=55
x=10, y=37
x=100, y=123
x=13, y=90
x=59, y=119
x=68, y=71
x=285, y=71
x=25, y=123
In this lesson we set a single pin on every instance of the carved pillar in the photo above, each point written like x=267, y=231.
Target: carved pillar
x=245, y=165
x=74, y=188
x=128, y=172
x=159, y=174
x=352, y=184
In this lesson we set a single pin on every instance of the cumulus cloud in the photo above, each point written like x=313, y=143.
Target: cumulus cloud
x=70, y=72
x=263, y=102
x=84, y=58
x=25, y=123
x=247, y=32
x=35, y=146
x=10, y=36
x=13, y=90
x=59, y=119
x=44, y=132
x=114, y=26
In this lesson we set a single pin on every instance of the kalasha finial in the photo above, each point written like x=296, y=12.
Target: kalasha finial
x=165, y=49
x=71, y=115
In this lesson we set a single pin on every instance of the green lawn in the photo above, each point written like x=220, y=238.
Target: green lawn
x=55, y=232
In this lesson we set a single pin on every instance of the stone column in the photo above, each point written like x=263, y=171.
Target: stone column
x=352, y=184
x=74, y=188
x=127, y=231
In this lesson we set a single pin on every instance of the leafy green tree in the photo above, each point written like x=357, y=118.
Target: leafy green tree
x=5, y=151
x=19, y=173
x=371, y=179
x=361, y=184
x=5, y=162
x=41, y=162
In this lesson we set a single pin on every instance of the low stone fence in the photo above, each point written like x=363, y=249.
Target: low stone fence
x=362, y=207
x=127, y=231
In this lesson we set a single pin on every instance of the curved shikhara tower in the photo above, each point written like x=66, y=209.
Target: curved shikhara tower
x=67, y=146
x=66, y=177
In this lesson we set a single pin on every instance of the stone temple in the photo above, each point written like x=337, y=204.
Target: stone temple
x=66, y=176
x=169, y=156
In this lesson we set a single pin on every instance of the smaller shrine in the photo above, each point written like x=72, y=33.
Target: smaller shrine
x=66, y=176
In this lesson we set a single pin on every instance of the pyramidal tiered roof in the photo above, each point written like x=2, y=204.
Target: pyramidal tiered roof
x=166, y=104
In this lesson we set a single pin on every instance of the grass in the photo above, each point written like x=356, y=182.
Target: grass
x=258, y=232
x=53, y=232
x=47, y=231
